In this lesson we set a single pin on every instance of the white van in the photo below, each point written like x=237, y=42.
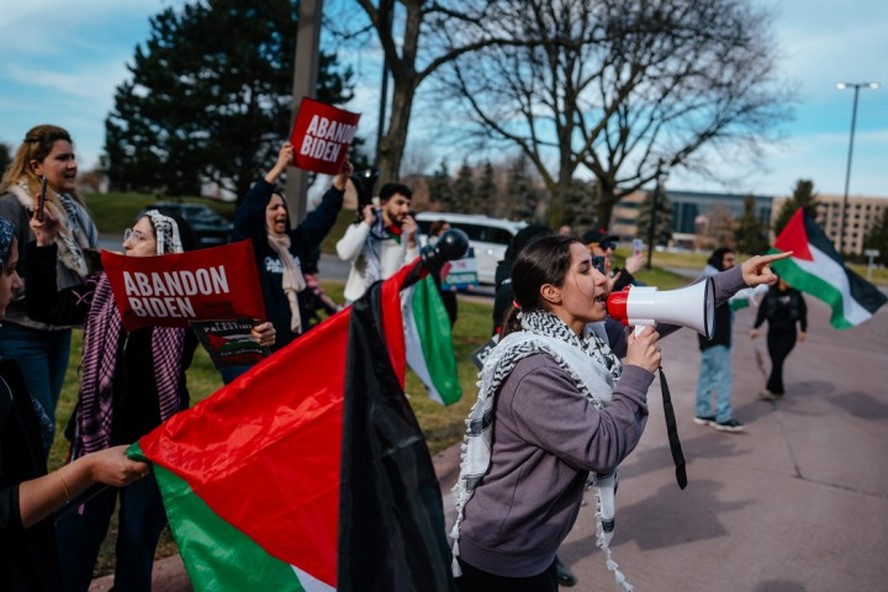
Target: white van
x=489, y=237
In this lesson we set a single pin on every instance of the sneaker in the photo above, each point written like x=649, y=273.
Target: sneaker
x=729, y=425
x=705, y=420
x=565, y=577
x=767, y=395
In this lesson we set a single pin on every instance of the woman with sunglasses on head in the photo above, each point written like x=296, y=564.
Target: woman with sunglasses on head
x=42, y=349
x=28, y=494
x=130, y=381
x=602, y=246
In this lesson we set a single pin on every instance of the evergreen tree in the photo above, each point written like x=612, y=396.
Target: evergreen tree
x=210, y=97
x=486, y=192
x=877, y=238
x=464, y=191
x=522, y=198
x=803, y=196
x=663, y=226
x=752, y=235
x=579, y=207
x=441, y=188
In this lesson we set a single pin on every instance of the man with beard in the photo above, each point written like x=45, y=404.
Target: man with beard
x=381, y=243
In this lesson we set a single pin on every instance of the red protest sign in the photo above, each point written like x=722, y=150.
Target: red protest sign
x=321, y=136
x=172, y=290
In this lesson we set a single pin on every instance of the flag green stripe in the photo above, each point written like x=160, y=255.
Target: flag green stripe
x=433, y=329
x=200, y=534
x=801, y=279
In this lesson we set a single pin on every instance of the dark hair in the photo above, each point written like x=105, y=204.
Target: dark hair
x=546, y=260
x=524, y=237
x=436, y=227
x=717, y=259
x=390, y=189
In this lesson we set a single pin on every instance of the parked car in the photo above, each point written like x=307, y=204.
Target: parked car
x=488, y=237
x=210, y=228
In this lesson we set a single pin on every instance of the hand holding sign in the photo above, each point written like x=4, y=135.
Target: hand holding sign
x=321, y=136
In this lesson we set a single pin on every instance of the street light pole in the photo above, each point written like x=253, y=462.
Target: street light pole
x=856, y=86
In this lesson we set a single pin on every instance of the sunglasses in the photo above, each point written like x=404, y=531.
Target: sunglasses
x=605, y=245
x=598, y=263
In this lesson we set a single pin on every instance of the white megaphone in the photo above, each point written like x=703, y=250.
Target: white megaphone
x=692, y=306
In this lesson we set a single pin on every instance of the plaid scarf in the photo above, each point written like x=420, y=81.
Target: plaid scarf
x=542, y=332
x=103, y=338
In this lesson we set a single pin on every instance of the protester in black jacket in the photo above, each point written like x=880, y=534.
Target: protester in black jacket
x=279, y=250
x=783, y=307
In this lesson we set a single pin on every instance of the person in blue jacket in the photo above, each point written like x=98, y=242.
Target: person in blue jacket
x=280, y=250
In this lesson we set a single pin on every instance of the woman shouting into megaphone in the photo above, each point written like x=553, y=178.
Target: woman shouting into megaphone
x=555, y=404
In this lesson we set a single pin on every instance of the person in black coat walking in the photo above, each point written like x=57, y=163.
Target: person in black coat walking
x=784, y=308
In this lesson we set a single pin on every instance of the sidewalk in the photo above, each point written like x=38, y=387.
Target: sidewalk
x=797, y=502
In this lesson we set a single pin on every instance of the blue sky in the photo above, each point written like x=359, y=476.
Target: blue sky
x=62, y=61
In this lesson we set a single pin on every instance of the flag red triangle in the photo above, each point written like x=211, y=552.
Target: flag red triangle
x=794, y=237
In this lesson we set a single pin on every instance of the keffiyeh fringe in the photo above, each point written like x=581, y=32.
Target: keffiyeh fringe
x=542, y=332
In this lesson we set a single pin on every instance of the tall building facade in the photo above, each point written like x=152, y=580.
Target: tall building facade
x=688, y=207
x=863, y=213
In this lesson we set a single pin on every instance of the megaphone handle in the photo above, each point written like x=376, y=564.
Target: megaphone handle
x=639, y=329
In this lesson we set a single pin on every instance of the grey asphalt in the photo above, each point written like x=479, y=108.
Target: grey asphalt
x=796, y=502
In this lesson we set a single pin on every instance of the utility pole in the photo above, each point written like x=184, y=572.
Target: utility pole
x=305, y=81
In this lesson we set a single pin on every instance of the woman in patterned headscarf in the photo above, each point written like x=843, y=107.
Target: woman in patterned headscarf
x=130, y=381
x=42, y=349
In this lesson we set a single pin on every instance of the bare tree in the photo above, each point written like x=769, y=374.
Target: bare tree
x=614, y=86
x=416, y=42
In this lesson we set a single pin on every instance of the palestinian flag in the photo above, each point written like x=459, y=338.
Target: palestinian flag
x=310, y=471
x=429, y=343
x=817, y=269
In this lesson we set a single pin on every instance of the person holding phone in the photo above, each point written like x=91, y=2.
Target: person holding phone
x=602, y=245
x=46, y=156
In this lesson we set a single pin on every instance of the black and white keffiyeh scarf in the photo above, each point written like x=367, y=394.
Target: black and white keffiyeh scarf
x=75, y=233
x=542, y=332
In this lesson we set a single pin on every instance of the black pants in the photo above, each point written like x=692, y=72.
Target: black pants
x=780, y=343
x=476, y=580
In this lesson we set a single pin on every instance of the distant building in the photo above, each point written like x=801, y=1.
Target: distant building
x=862, y=214
x=687, y=207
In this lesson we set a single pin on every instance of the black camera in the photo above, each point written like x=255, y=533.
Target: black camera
x=364, y=181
